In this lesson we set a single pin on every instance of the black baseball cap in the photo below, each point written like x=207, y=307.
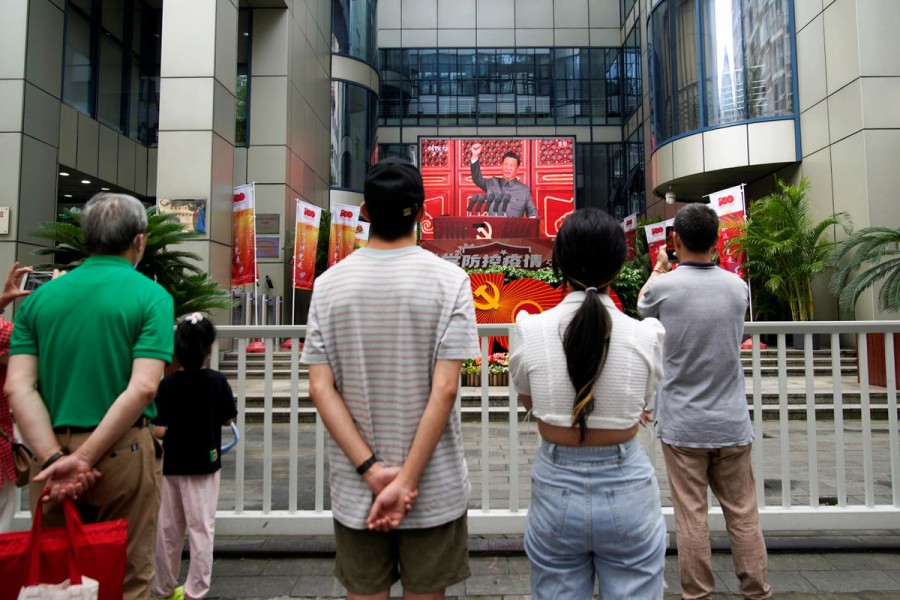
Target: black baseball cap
x=394, y=188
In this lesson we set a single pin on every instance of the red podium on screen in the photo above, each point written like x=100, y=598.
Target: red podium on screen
x=448, y=228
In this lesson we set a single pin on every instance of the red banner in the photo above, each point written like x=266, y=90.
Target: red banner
x=344, y=218
x=656, y=238
x=243, y=236
x=306, y=242
x=729, y=205
x=629, y=225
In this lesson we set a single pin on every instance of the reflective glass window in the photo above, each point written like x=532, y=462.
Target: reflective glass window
x=594, y=179
x=134, y=94
x=745, y=60
x=505, y=86
x=725, y=92
x=632, y=89
x=109, y=90
x=767, y=46
x=113, y=18
x=353, y=29
x=84, y=5
x=242, y=87
x=150, y=59
x=662, y=78
x=77, y=70
x=683, y=14
x=353, y=126
x=111, y=64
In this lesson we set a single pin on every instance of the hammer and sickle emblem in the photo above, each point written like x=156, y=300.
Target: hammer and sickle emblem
x=484, y=232
x=491, y=298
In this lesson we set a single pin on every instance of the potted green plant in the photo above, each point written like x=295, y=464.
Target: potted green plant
x=868, y=256
x=498, y=368
x=786, y=248
x=471, y=372
x=176, y=270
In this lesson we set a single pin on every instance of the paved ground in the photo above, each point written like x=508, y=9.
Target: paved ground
x=869, y=572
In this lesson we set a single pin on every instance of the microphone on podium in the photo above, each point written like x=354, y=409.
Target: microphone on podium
x=492, y=201
x=483, y=206
x=472, y=202
x=503, y=202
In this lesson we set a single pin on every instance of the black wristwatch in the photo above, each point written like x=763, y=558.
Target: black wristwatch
x=361, y=469
x=53, y=458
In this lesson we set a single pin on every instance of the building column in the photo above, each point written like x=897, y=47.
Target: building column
x=268, y=152
x=30, y=78
x=196, y=120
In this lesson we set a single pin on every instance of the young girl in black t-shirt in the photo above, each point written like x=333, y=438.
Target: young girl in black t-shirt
x=193, y=405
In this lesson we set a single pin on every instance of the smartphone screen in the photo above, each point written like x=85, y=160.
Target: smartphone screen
x=670, y=244
x=35, y=279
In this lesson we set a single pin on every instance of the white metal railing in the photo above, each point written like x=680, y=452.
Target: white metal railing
x=826, y=456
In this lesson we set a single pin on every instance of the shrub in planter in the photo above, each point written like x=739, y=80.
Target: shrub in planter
x=868, y=256
x=785, y=248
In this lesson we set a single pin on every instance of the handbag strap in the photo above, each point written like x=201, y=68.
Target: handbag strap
x=74, y=528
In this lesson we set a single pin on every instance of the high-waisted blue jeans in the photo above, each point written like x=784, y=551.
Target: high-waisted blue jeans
x=595, y=516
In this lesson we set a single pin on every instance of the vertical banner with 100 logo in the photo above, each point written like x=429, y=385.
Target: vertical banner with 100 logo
x=306, y=242
x=344, y=218
x=729, y=205
x=243, y=236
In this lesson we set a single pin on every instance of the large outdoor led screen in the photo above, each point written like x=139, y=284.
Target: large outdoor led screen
x=521, y=187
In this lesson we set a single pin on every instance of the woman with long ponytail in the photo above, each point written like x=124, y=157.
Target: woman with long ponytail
x=588, y=372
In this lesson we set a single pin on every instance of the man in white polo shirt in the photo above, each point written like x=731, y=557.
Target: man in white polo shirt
x=388, y=329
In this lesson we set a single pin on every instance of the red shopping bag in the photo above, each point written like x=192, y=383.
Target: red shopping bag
x=53, y=555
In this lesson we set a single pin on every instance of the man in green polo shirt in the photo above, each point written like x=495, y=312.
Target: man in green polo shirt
x=87, y=353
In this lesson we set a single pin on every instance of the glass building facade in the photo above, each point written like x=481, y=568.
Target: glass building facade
x=507, y=86
x=719, y=62
x=523, y=87
x=242, y=87
x=111, y=64
x=354, y=107
x=353, y=129
x=353, y=29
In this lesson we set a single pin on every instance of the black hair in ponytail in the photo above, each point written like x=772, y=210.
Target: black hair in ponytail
x=588, y=253
x=193, y=338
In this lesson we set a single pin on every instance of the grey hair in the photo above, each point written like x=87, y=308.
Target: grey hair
x=110, y=222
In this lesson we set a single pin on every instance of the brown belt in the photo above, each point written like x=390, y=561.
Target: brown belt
x=66, y=430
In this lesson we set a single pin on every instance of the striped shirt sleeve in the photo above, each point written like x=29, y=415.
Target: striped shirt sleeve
x=459, y=340
x=314, y=352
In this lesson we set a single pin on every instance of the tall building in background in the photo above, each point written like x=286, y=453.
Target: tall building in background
x=184, y=99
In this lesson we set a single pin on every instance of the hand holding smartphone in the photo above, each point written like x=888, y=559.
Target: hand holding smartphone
x=35, y=279
x=670, y=244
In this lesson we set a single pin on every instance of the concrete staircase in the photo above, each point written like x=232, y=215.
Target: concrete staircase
x=498, y=403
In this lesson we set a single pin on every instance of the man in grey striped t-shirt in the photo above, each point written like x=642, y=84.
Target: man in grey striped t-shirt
x=388, y=329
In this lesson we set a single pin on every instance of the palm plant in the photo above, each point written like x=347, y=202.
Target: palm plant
x=176, y=270
x=784, y=248
x=875, y=250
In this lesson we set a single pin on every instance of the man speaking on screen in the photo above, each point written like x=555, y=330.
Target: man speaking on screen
x=520, y=203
